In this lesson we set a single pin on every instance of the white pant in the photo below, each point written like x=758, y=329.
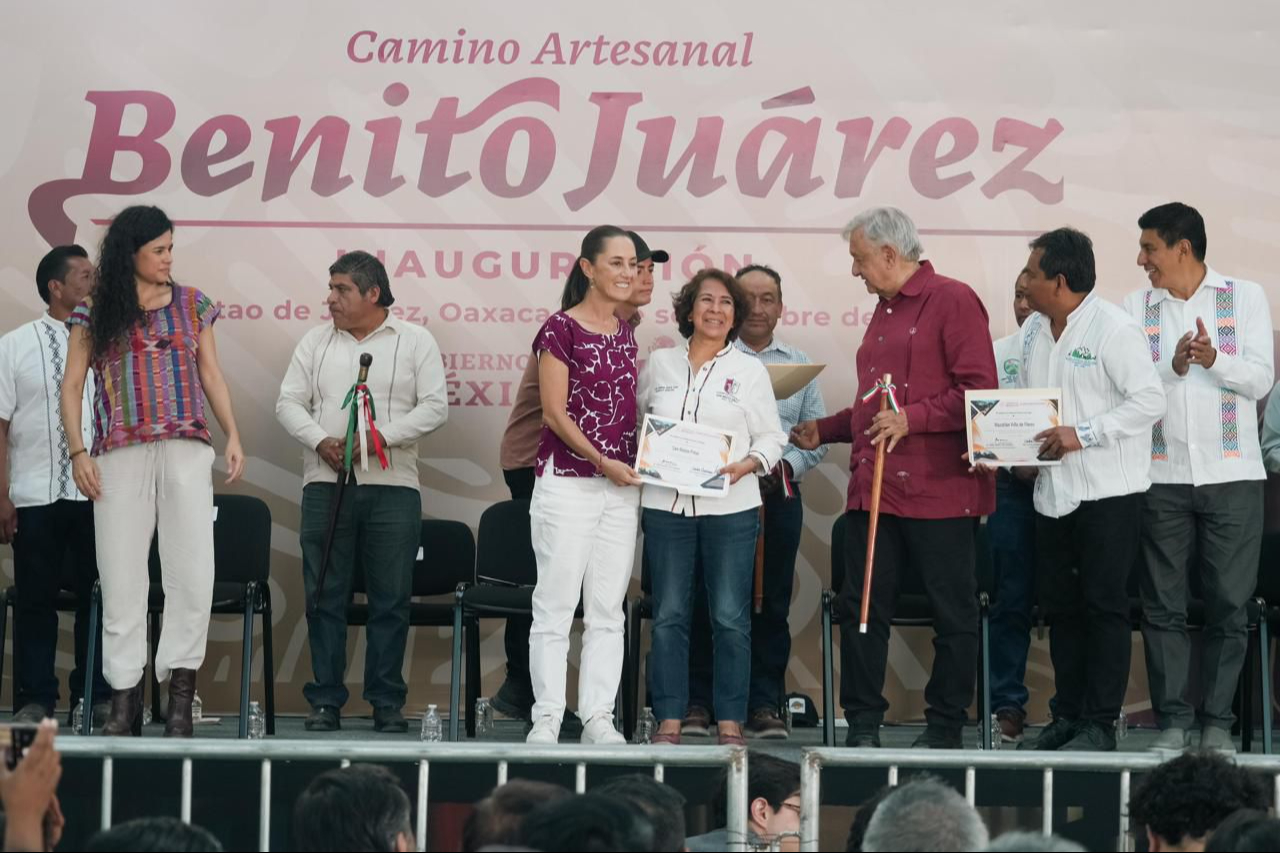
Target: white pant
x=584, y=536
x=169, y=482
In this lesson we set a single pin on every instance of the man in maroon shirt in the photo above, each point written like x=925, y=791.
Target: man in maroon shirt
x=930, y=332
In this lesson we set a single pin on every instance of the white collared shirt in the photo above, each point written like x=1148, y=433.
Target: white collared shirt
x=731, y=391
x=1009, y=360
x=33, y=358
x=804, y=405
x=1110, y=394
x=1210, y=432
x=406, y=380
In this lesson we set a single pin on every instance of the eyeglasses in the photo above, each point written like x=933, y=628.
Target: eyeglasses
x=795, y=807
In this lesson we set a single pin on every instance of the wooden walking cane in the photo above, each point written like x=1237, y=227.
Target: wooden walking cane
x=885, y=389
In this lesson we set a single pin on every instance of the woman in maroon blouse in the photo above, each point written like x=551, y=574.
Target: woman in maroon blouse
x=585, y=504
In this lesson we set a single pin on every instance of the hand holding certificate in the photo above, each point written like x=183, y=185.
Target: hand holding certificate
x=1005, y=427
x=685, y=456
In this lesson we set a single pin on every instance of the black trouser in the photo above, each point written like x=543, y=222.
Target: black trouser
x=941, y=551
x=770, y=631
x=1082, y=562
x=49, y=538
x=516, y=637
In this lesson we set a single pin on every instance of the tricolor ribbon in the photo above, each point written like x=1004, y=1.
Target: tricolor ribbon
x=360, y=401
x=881, y=388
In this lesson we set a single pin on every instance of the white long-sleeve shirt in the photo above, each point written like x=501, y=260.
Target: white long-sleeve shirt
x=1110, y=394
x=731, y=391
x=406, y=380
x=1210, y=432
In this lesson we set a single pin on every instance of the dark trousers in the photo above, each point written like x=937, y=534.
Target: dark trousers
x=1011, y=530
x=379, y=527
x=770, y=631
x=1216, y=532
x=941, y=553
x=1083, y=562
x=516, y=637
x=50, y=539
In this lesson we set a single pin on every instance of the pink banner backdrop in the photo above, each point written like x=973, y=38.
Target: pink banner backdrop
x=472, y=146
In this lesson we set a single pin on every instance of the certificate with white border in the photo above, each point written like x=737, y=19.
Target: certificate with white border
x=685, y=456
x=1002, y=426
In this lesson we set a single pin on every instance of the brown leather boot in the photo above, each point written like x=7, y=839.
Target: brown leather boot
x=182, y=689
x=126, y=712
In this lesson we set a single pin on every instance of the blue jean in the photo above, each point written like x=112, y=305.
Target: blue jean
x=1011, y=530
x=725, y=545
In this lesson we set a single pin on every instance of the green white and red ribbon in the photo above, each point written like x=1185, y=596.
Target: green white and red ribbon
x=881, y=388
x=360, y=401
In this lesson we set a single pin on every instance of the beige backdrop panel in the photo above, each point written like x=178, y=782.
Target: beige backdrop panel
x=958, y=96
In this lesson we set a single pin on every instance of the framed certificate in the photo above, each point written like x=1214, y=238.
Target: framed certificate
x=684, y=456
x=1002, y=425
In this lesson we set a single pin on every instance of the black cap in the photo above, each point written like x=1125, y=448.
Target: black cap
x=644, y=253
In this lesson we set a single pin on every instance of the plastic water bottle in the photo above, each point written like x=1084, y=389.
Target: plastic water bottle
x=257, y=722
x=1122, y=725
x=77, y=717
x=146, y=714
x=197, y=709
x=432, y=728
x=646, y=727
x=997, y=737
x=484, y=717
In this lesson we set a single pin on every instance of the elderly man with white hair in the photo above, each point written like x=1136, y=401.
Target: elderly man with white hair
x=925, y=814
x=930, y=333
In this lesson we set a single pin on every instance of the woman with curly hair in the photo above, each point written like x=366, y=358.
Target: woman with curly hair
x=150, y=344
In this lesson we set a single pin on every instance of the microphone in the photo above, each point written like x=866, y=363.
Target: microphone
x=365, y=360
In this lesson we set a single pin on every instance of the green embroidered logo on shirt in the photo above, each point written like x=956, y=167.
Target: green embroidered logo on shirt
x=1011, y=366
x=1082, y=357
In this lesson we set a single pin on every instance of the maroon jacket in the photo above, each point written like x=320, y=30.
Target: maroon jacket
x=934, y=339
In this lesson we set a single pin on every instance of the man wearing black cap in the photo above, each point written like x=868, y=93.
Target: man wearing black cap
x=517, y=455
x=383, y=513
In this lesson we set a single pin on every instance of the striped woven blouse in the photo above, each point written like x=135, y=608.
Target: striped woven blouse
x=148, y=385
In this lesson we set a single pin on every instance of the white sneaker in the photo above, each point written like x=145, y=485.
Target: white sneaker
x=599, y=729
x=1173, y=738
x=545, y=730
x=1217, y=739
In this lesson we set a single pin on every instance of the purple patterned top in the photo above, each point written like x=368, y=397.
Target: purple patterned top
x=602, y=392
x=148, y=385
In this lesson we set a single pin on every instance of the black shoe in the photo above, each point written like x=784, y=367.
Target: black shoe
x=32, y=712
x=939, y=737
x=1092, y=736
x=863, y=736
x=389, y=720
x=1053, y=736
x=514, y=700
x=324, y=718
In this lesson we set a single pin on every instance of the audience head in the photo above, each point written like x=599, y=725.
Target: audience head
x=499, y=817
x=661, y=804
x=1246, y=831
x=361, y=807
x=925, y=814
x=885, y=247
x=712, y=305
x=1183, y=800
x=65, y=276
x=588, y=822
x=773, y=796
x=607, y=262
x=858, y=828
x=154, y=833
x=1034, y=842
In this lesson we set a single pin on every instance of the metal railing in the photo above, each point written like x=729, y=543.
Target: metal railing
x=813, y=761
x=424, y=754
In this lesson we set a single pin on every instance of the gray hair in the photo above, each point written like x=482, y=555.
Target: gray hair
x=925, y=814
x=887, y=226
x=1034, y=842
